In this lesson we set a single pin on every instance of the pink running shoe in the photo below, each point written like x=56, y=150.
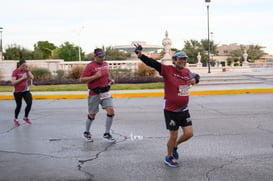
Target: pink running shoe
x=16, y=122
x=27, y=121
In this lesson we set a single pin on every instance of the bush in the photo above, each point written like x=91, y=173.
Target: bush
x=0, y=75
x=3, y=82
x=55, y=82
x=120, y=80
x=120, y=73
x=138, y=80
x=41, y=73
x=60, y=74
x=145, y=71
x=76, y=72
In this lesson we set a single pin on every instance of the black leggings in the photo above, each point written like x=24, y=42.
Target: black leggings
x=18, y=99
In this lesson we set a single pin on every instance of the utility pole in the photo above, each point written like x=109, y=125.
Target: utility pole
x=1, y=49
x=208, y=1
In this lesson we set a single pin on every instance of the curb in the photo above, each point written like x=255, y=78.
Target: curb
x=231, y=91
x=144, y=94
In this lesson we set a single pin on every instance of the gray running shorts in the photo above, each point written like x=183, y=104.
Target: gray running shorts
x=94, y=101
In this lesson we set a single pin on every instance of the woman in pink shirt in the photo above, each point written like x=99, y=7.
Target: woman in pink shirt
x=20, y=77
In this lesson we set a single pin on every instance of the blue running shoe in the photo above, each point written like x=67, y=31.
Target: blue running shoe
x=169, y=160
x=175, y=153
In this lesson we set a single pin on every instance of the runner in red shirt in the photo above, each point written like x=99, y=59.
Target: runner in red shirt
x=96, y=75
x=20, y=77
x=177, y=81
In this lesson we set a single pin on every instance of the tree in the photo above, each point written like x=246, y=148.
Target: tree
x=205, y=45
x=213, y=49
x=114, y=54
x=43, y=50
x=16, y=52
x=191, y=48
x=111, y=54
x=69, y=52
x=236, y=56
x=254, y=52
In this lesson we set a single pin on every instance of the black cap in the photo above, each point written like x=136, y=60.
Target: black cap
x=21, y=62
x=99, y=52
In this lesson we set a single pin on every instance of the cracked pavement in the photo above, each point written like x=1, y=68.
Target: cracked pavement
x=233, y=140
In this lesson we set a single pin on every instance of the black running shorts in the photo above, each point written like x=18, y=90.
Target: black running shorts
x=175, y=119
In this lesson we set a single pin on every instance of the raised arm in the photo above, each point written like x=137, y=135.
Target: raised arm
x=147, y=60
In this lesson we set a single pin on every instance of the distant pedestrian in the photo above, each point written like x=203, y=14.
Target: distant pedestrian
x=20, y=77
x=97, y=77
x=177, y=81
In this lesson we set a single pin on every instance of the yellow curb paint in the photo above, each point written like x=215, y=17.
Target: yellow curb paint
x=231, y=91
x=147, y=94
x=55, y=96
x=138, y=94
x=60, y=96
x=6, y=97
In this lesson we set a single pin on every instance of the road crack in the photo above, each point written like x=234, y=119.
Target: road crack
x=102, y=151
x=219, y=167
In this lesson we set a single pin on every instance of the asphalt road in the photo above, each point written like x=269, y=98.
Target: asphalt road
x=233, y=140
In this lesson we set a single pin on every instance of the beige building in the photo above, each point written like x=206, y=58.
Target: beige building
x=224, y=50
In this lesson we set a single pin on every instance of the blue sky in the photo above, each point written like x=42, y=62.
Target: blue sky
x=91, y=23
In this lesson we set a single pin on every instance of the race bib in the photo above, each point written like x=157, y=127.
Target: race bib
x=183, y=90
x=105, y=95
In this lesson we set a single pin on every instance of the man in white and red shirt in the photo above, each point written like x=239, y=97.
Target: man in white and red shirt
x=96, y=75
x=177, y=81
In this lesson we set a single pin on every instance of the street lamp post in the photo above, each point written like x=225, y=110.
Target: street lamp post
x=1, y=49
x=208, y=1
x=80, y=43
x=80, y=53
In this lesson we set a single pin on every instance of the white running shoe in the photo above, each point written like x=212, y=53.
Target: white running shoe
x=108, y=137
x=87, y=137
